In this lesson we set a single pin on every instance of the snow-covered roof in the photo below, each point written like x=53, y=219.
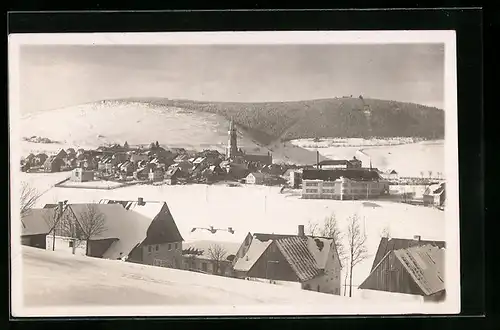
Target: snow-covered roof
x=130, y=228
x=253, y=254
x=36, y=222
x=425, y=264
x=306, y=255
x=435, y=189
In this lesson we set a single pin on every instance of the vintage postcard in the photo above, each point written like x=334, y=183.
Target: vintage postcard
x=234, y=173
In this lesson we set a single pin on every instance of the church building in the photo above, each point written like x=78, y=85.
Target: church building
x=232, y=151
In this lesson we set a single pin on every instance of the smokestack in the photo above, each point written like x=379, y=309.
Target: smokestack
x=140, y=201
x=301, y=231
x=417, y=238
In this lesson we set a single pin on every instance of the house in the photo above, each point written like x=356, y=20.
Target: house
x=61, y=154
x=172, y=174
x=126, y=168
x=141, y=174
x=135, y=158
x=71, y=152
x=81, y=175
x=417, y=270
x=40, y=159
x=211, y=257
x=156, y=174
x=181, y=158
x=137, y=231
x=342, y=184
x=36, y=225
x=212, y=173
x=311, y=261
x=435, y=195
x=387, y=245
x=30, y=160
x=53, y=164
x=161, y=243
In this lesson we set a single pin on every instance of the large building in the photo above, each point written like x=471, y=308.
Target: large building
x=342, y=184
x=233, y=152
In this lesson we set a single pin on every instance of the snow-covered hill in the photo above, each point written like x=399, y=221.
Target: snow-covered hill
x=58, y=279
x=95, y=124
x=61, y=284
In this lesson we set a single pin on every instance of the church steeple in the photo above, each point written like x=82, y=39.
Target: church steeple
x=232, y=146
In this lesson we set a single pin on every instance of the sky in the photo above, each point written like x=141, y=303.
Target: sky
x=55, y=76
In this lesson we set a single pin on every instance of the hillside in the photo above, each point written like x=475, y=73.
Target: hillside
x=98, y=123
x=73, y=281
x=336, y=117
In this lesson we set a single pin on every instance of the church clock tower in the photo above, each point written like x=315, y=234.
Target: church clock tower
x=232, y=147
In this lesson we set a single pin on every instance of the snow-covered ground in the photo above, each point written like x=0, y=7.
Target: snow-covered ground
x=262, y=209
x=55, y=278
x=352, y=142
x=410, y=159
x=95, y=124
x=61, y=284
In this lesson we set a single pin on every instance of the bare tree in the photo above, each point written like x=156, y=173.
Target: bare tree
x=312, y=228
x=217, y=254
x=52, y=218
x=330, y=229
x=430, y=174
x=422, y=174
x=29, y=196
x=90, y=224
x=357, y=250
x=386, y=232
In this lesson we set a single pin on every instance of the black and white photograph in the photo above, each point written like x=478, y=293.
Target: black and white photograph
x=234, y=173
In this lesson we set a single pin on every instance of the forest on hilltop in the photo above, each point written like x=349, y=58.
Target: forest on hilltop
x=344, y=117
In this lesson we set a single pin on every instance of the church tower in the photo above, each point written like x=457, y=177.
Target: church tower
x=232, y=147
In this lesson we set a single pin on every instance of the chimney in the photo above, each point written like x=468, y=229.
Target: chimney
x=301, y=231
x=140, y=201
x=61, y=205
x=417, y=238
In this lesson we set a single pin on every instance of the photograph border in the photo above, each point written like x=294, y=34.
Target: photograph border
x=455, y=172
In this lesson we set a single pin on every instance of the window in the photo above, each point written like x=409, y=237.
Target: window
x=176, y=246
x=169, y=246
x=157, y=247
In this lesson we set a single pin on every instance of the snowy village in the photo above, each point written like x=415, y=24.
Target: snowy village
x=336, y=201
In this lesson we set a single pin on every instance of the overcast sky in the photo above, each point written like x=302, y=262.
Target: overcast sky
x=58, y=76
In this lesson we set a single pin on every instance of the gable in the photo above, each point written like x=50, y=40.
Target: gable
x=163, y=229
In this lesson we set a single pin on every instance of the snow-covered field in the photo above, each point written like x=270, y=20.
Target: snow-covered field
x=352, y=142
x=261, y=209
x=60, y=279
x=61, y=284
x=407, y=159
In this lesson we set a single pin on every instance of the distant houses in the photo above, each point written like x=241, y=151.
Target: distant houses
x=435, y=195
